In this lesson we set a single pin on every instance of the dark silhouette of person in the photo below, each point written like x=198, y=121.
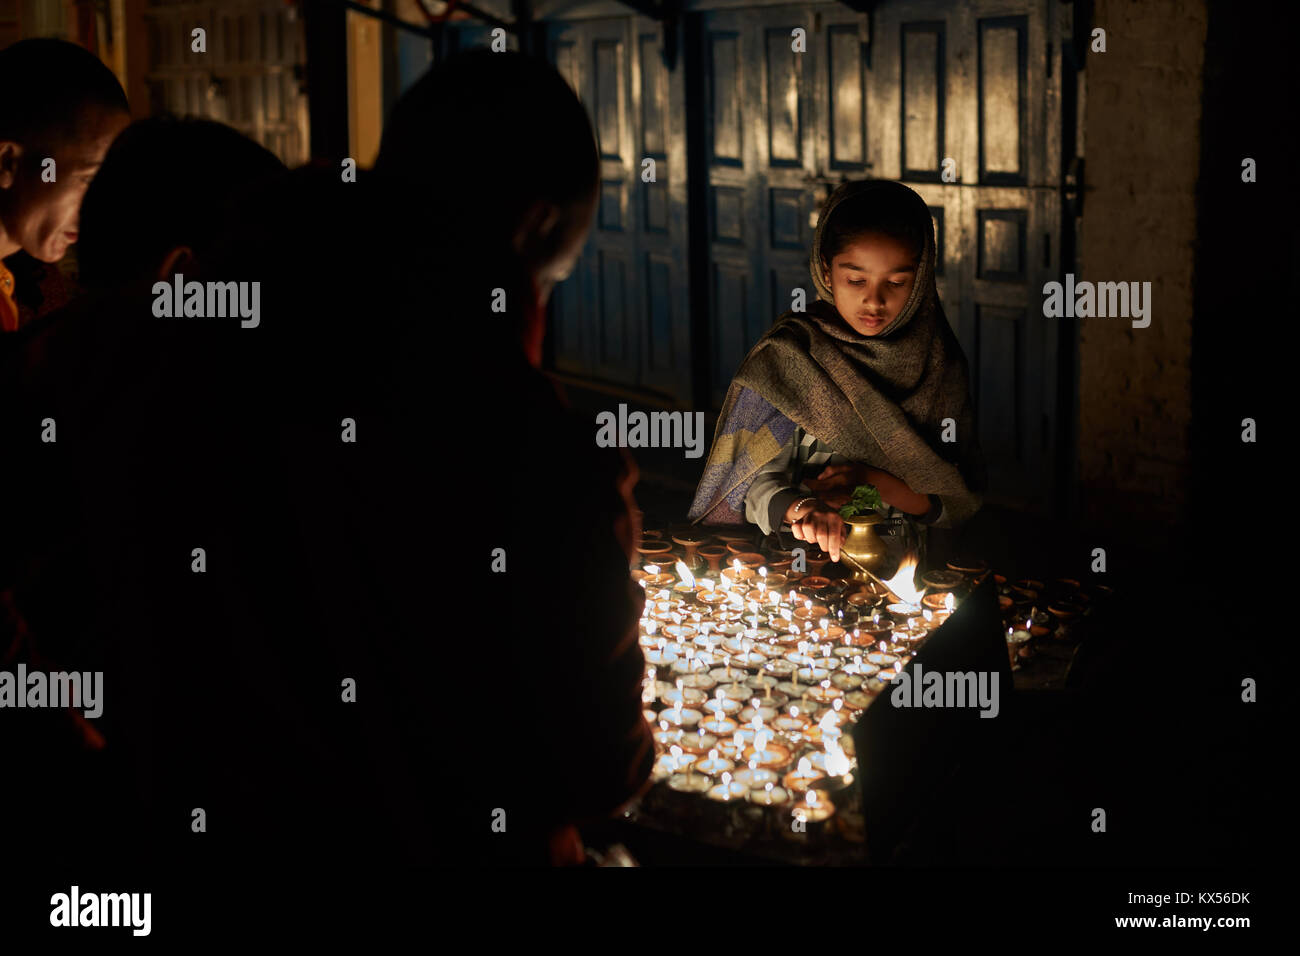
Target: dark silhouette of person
x=540, y=650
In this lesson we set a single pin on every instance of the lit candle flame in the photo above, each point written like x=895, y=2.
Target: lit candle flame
x=812, y=797
x=950, y=603
x=901, y=583
x=684, y=574
x=652, y=569
x=837, y=764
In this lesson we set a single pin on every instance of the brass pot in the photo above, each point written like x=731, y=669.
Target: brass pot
x=863, y=545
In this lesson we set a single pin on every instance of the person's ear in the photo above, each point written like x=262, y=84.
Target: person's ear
x=10, y=155
x=533, y=233
x=181, y=259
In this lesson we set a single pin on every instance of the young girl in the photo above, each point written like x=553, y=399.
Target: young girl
x=869, y=386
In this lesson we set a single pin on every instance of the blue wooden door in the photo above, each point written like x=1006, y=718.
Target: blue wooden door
x=622, y=317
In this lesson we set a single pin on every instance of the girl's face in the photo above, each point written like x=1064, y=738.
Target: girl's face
x=871, y=279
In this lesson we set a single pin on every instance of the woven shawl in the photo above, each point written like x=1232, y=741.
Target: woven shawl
x=879, y=400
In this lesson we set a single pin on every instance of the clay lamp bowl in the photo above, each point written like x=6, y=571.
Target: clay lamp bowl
x=811, y=584
x=999, y=579
x=864, y=601
x=1005, y=602
x=817, y=560
x=1064, y=590
x=749, y=559
x=973, y=567
x=690, y=540
x=713, y=554
x=877, y=588
x=656, y=534
x=943, y=580
x=1064, y=610
x=936, y=600
x=1101, y=592
x=745, y=541
x=871, y=633
x=654, y=552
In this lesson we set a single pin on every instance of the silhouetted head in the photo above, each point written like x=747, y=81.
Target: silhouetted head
x=161, y=197
x=496, y=149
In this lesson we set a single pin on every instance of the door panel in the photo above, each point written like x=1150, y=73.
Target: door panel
x=975, y=84
x=622, y=316
x=761, y=149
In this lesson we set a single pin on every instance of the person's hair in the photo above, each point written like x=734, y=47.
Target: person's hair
x=47, y=84
x=481, y=136
x=165, y=182
x=887, y=212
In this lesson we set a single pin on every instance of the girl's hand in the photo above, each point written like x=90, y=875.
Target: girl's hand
x=835, y=483
x=837, y=499
x=822, y=526
x=847, y=476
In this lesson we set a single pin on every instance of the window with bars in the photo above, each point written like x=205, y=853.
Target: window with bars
x=250, y=75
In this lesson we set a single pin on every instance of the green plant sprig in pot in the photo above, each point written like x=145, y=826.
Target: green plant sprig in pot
x=865, y=500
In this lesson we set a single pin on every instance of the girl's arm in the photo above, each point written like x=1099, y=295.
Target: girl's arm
x=772, y=492
x=894, y=491
x=836, y=483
